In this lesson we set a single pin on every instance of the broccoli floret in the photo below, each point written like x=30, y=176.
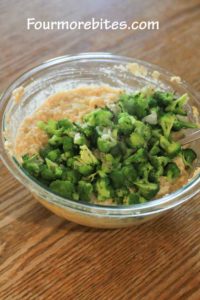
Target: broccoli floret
x=144, y=169
x=54, y=168
x=32, y=164
x=140, y=136
x=50, y=127
x=55, y=140
x=120, y=195
x=171, y=148
x=80, y=139
x=108, y=163
x=67, y=142
x=155, y=149
x=130, y=175
x=84, y=163
x=126, y=123
x=117, y=178
x=147, y=189
x=71, y=175
x=166, y=122
x=180, y=124
x=85, y=190
x=63, y=188
x=188, y=156
x=87, y=130
x=65, y=124
x=177, y=106
x=172, y=171
x=54, y=155
x=135, y=104
x=103, y=189
x=136, y=140
x=135, y=198
x=43, y=152
x=107, y=140
x=138, y=157
x=99, y=117
x=163, y=99
x=159, y=163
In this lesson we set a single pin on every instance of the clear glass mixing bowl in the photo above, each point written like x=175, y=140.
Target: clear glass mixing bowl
x=70, y=71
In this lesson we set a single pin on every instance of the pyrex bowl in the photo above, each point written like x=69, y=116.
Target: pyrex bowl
x=68, y=72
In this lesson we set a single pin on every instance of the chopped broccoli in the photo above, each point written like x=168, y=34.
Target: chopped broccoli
x=126, y=123
x=135, y=198
x=104, y=189
x=63, y=188
x=172, y=171
x=32, y=164
x=163, y=99
x=118, y=152
x=107, y=140
x=180, y=124
x=99, y=117
x=67, y=142
x=188, y=156
x=171, y=148
x=177, y=106
x=135, y=104
x=166, y=122
x=85, y=190
x=147, y=189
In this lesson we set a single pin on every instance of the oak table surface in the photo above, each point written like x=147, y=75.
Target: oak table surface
x=45, y=257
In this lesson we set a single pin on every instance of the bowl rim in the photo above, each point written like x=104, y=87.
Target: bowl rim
x=167, y=201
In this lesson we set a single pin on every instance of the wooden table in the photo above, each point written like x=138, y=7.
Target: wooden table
x=45, y=257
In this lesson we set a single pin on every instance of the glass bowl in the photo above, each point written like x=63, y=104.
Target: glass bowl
x=68, y=72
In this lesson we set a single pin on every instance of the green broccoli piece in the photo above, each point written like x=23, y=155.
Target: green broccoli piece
x=147, y=189
x=137, y=141
x=141, y=135
x=54, y=168
x=177, y=106
x=68, y=144
x=65, y=124
x=80, y=139
x=180, y=124
x=71, y=175
x=172, y=171
x=163, y=99
x=103, y=189
x=55, y=140
x=155, y=149
x=188, y=156
x=63, y=188
x=54, y=155
x=144, y=169
x=126, y=123
x=32, y=164
x=120, y=195
x=99, y=117
x=171, y=148
x=138, y=157
x=166, y=122
x=135, y=198
x=130, y=175
x=107, y=140
x=108, y=163
x=85, y=190
x=43, y=152
x=135, y=104
x=84, y=163
x=117, y=178
x=50, y=127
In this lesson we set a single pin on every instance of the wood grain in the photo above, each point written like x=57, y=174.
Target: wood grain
x=43, y=256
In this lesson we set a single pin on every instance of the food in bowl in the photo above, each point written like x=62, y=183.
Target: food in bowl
x=107, y=146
